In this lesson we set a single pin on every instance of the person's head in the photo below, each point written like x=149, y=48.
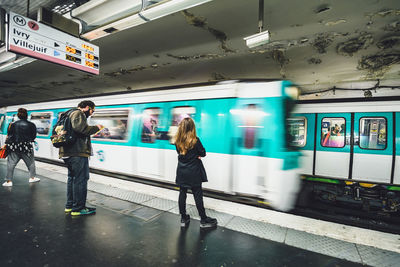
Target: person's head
x=87, y=107
x=186, y=136
x=22, y=114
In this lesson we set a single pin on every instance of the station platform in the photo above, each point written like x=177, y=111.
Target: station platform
x=138, y=225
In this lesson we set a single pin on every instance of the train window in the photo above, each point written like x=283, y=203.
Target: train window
x=251, y=119
x=151, y=119
x=333, y=132
x=115, y=124
x=373, y=133
x=11, y=119
x=42, y=120
x=178, y=114
x=297, y=130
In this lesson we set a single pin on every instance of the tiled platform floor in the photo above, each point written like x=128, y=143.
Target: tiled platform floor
x=136, y=229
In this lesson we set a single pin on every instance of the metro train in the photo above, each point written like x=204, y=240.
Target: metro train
x=259, y=144
x=350, y=152
x=242, y=125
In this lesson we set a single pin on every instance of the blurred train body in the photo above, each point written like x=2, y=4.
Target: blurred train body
x=242, y=125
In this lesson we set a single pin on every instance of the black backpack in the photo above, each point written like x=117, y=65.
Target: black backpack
x=63, y=135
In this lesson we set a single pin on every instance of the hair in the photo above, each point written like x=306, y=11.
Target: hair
x=85, y=103
x=186, y=136
x=22, y=114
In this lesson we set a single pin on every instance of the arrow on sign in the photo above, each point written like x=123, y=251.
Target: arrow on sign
x=56, y=45
x=56, y=53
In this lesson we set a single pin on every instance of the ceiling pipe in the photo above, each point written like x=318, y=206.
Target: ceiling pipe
x=260, y=15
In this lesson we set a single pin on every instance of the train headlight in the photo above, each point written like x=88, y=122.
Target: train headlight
x=293, y=92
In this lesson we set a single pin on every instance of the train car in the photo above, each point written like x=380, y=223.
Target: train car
x=242, y=125
x=350, y=152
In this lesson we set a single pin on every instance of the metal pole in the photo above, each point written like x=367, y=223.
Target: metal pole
x=260, y=15
x=27, y=8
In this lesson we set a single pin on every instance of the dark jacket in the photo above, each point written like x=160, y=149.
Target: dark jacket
x=21, y=131
x=190, y=171
x=83, y=146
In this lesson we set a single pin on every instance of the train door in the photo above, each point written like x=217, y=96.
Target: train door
x=332, y=157
x=53, y=150
x=396, y=174
x=373, y=146
x=150, y=159
x=248, y=119
x=42, y=120
x=2, y=128
x=301, y=133
x=5, y=123
x=177, y=111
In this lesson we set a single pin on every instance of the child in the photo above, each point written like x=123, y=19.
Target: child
x=190, y=172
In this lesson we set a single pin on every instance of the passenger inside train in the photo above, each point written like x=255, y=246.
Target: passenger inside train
x=331, y=132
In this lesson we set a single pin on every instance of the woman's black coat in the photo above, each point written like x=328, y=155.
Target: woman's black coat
x=190, y=171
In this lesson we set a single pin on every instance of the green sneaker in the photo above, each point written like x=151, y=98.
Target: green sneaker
x=67, y=210
x=85, y=211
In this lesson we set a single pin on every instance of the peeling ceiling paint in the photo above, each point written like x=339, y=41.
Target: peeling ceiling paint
x=348, y=48
x=377, y=65
x=318, y=45
x=202, y=23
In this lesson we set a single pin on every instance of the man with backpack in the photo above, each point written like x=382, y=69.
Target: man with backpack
x=76, y=157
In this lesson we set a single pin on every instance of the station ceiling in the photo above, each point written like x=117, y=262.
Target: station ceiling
x=320, y=45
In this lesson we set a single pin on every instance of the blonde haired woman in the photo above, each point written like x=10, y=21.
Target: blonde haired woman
x=190, y=172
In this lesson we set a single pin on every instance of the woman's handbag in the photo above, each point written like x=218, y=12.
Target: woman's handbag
x=3, y=153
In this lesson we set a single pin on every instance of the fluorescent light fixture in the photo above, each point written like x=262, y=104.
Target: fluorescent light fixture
x=100, y=12
x=16, y=63
x=9, y=60
x=257, y=39
x=153, y=12
x=5, y=56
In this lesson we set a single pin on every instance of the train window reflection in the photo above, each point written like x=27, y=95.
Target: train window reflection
x=178, y=114
x=251, y=119
x=151, y=118
x=115, y=124
x=333, y=132
x=42, y=121
x=373, y=133
x=297, y=131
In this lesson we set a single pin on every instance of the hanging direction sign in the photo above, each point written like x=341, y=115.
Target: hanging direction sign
x=34, y=39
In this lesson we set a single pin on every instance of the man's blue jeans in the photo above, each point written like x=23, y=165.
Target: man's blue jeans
x=78, y=176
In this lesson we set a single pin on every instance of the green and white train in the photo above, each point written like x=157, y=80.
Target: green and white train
x=242, y=125
x=350, y=151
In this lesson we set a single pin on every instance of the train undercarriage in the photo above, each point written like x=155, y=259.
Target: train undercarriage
x=367, y=197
